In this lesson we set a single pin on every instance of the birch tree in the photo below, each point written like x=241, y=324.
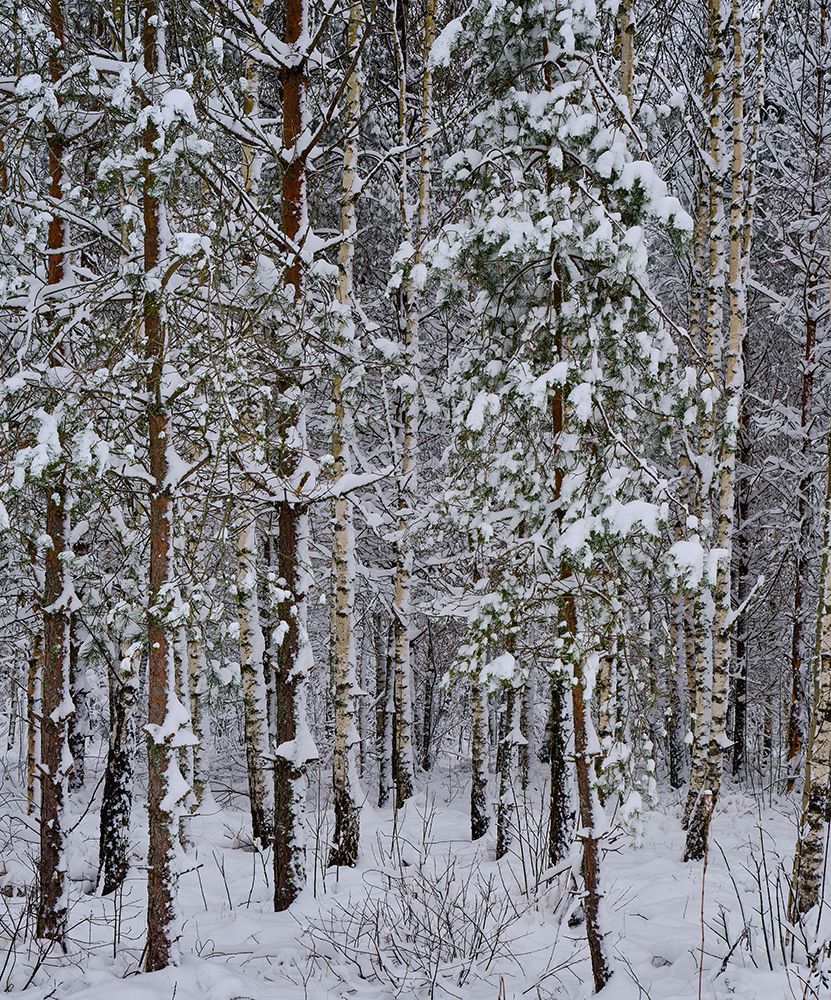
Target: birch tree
x=809, y=854
x=724, y=397
x=345, y=782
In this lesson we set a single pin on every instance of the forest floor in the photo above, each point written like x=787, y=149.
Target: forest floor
x=426, y=915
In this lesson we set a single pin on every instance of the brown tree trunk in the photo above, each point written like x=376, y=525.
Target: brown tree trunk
x=291, y=755
x=588, y=807
x=161, y=669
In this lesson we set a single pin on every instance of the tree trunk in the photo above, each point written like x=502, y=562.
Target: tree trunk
x=295, y=747
x=733, y=395
x=480, y=817
x=606, y=708
x=742, y=572
x=409, y=324
x=796, y=708
x=117, y=799
x=294, y=742
x=252, y=677
x=79, y=720
x=626, y=49
x=559, y=820
x=674, y=720
x=345, y=783
x=512, y=739
x=344, y=774
x=200, y=723
x=383, y=718
x=56, y=707
x=590, y=811
x=809, y=855
x=166, y=788
x=14, y=708
x=712, y=645
x=58, y=597
x=33, y=713
x=427, y=721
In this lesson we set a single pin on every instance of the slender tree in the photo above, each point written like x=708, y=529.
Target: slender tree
x=167, y=726
x=58, y=596
x=345, y=782
x=252, y=656
x=294, y=746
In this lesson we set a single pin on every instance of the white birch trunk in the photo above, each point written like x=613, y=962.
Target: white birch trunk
x=710, y=678
x=252, y=679
x=345, y=783
x=729, y=425
x=480, y=818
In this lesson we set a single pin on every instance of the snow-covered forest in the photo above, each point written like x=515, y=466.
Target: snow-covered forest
x=415, y=499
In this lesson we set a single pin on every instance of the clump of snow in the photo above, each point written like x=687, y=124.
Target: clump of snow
x=445, y=43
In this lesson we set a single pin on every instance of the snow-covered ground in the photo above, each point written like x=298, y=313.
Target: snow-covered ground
x=427, y=914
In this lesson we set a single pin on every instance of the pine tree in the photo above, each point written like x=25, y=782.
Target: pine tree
x=294, y=745
x=551, y=249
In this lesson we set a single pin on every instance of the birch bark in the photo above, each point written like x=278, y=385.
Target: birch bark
x=252, y=678
x=345, y=783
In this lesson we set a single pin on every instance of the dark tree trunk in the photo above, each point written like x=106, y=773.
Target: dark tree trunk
x=797, y=708
x=429, y=695
x=33, y=677
x=560, y=819
x=289, y=855
x=79, y=721
x=591, y=851
x=383, y=734
x=56, y=702
x=526, y=727
x=56, y=707
x=117, y=799
x=742, y=577
x=508, y=769
x=480, y=817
